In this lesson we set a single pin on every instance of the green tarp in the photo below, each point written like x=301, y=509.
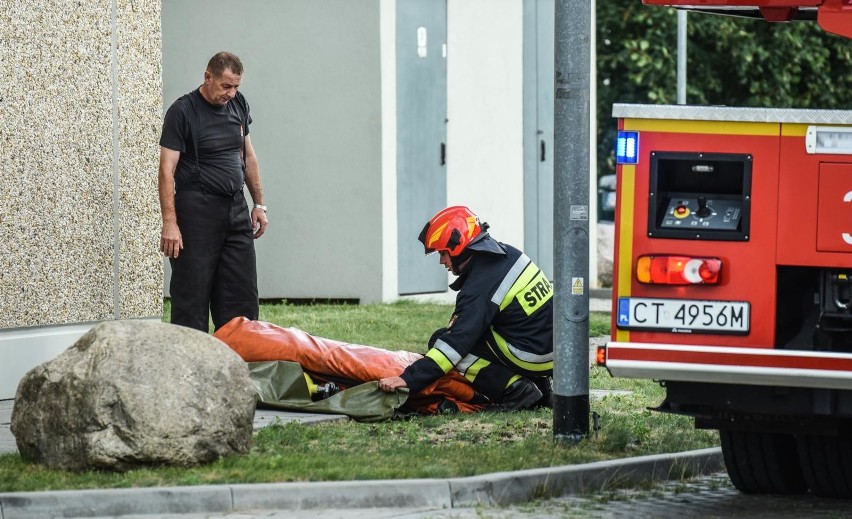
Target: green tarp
x=282, y=385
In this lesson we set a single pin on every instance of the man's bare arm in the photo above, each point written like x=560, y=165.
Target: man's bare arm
x=171, y=241
x=259, y=219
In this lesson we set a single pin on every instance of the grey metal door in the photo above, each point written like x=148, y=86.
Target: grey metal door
x=538, y=131
x=421, y=68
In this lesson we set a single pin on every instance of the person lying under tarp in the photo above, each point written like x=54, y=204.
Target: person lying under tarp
x=292, y=369
x=500, y=336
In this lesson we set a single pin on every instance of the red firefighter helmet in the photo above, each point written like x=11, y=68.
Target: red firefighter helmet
x=451, y=230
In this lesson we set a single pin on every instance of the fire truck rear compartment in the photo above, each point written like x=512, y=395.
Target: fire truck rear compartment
x=814, y=309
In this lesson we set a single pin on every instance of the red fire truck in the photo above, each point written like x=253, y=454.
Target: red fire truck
x=732, y=283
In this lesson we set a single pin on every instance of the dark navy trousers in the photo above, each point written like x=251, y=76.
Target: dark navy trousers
x=216, y=272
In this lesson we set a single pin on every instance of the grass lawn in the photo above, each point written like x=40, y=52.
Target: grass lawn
x=423, y=447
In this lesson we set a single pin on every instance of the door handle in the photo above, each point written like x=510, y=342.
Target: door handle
x=443, y=154
x=542, y=151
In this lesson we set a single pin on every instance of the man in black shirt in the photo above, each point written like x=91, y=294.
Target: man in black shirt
x=206, y=157
x=500, y=336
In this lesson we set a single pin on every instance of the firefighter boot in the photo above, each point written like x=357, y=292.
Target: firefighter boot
x=545, y=385
x=521, y=394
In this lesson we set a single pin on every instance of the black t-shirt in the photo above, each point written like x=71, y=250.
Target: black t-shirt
x=220, y=134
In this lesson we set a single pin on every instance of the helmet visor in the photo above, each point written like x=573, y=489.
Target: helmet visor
x=422, y=239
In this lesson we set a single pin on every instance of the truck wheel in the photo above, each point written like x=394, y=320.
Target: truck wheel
x=827, y=465
x=762, y=463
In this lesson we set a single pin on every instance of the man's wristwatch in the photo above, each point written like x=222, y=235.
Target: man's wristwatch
x=262, y=207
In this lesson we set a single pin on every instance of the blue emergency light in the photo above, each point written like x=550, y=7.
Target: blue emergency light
x=627, y=148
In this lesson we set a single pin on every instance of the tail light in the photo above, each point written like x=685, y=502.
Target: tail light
x=678, y=270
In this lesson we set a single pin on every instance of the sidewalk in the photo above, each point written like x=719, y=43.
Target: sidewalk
x=7, y=441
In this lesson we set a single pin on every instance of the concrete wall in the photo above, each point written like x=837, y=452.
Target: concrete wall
x=485, y=111
x=485, y=169
x=486, y=117
x=80, y=112
x=389, y=229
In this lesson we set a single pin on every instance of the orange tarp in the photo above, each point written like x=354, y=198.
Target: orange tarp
x=258, y=341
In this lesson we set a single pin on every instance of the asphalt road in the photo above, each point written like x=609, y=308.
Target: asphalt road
x=707, y=497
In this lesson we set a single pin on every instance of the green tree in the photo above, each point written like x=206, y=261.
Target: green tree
x=731, y=61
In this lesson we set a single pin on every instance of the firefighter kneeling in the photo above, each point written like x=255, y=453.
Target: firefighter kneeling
x=500, y=336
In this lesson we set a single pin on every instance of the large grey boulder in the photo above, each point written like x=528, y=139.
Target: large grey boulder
x=134, y=393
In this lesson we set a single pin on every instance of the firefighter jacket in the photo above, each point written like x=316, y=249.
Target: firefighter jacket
x=504, y=304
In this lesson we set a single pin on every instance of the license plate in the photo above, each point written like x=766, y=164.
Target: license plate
x=683, y=315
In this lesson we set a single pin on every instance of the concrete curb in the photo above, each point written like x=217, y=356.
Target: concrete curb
x=492, y=489
x=505, y=488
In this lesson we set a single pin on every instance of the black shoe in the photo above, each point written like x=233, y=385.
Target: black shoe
x=447, y=406
x=521, y=394
x=545, y=385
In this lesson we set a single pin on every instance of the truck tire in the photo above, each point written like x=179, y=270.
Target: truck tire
x=762, y=463
x=827, y=465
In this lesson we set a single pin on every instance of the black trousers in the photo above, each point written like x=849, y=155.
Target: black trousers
x=216, y=272
x=491, y=380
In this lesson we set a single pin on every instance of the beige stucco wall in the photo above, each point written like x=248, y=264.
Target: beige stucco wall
x=80, y=114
